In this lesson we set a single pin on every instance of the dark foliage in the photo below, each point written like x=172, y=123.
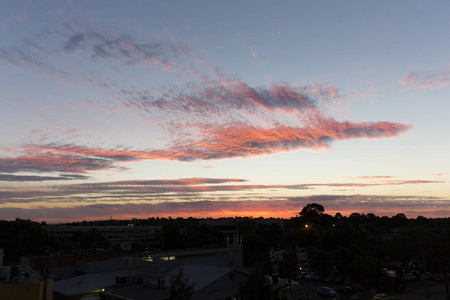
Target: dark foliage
x=180, y=289
x=258, y=286
x=24, y=237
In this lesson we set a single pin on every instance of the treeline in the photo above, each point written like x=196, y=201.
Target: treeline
x=357, y=246
x=25, y=237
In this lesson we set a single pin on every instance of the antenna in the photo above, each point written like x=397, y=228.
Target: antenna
x=126, y=246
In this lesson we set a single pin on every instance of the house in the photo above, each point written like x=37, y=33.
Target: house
x=18, y=283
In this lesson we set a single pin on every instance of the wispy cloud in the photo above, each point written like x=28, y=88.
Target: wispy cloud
x=412, y=206
x=216, y=116
x=173, y=190
x=18, y=178
x=243, y=140
x=228, y=118
x=75, y=54
x=54, y=162
x=233, y=94
x=371, y=177
x=217, y=142
x=181, y=181
x=121, y=48
x=215, y=120
x=428, y=80
x=380, y=183
x=15, y=17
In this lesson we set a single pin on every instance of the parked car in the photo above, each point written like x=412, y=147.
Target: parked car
x=383, y=297
x=326, y=291
x=344, y=290
x=409, y=277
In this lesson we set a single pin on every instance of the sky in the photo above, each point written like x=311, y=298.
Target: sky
x=137, y=109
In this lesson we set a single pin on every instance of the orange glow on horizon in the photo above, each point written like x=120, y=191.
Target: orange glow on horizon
x=256, y=213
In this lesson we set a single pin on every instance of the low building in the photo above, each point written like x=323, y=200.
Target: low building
x=22, y=283
x=215, y=272
x=155, y=266
x=114, y=234
x=209, y=282
x=92, y=285
x=65, y=266
x=229, y=226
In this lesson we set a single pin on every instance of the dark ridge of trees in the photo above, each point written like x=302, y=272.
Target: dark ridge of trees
x=24, y=237
x=357, y=246
x=91, y=239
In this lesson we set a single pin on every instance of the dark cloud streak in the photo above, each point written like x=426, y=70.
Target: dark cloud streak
x=170, y=190
x=9, y=177
x=380, y=205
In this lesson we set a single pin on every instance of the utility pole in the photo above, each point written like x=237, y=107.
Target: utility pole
x=445, y=259
x=45, y=277
x=427, y=295
x=445, y=278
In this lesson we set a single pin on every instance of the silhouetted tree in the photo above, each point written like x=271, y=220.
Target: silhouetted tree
x=312, y=209
x=207, y=236
x=172, y=238
x=24, y=237
x=257, y=287
x=255, y=245
x=275, y=233
x=180, y=289
x=320, y=260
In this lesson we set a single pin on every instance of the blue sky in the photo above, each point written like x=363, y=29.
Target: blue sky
x=208, y=108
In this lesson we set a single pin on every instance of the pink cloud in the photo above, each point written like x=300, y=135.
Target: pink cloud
x=371, y=177
x=253, y=52
x=385, y=182
x=217, y=117
x=278, y=117
x=247, y=140
x=430, y=80
x=239, y=140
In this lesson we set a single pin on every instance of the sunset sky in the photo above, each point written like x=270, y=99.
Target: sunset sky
x=122, y=109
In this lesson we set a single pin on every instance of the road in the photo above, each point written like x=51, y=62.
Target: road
x=412, y=291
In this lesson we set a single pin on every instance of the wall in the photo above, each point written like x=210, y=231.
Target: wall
x=32, y=291
x=118, y=263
